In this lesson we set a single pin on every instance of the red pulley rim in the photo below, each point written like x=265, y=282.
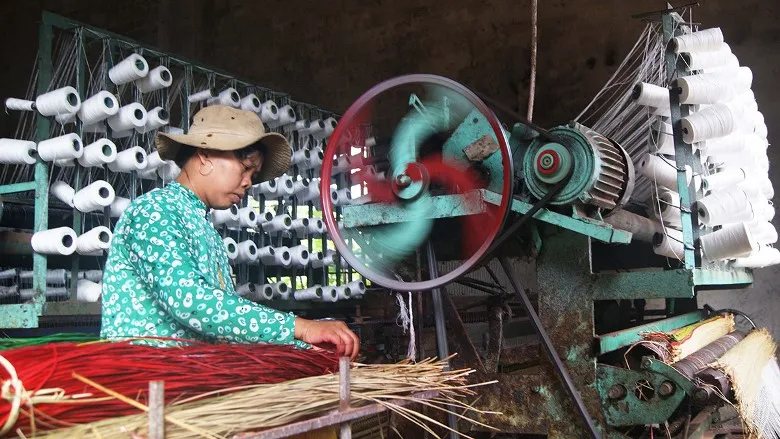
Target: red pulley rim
x=327, y=166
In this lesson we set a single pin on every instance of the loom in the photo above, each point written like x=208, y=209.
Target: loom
x=450, y=187
x=422, y=188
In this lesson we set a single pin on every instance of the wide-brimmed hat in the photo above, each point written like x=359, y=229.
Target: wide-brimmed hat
x=225, y=128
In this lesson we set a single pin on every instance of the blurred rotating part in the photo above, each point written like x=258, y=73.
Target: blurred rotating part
x=427, y=161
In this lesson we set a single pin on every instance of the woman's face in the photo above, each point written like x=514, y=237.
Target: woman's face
x=231, y=177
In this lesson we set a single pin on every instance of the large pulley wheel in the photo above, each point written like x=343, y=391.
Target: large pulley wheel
x=417, y=159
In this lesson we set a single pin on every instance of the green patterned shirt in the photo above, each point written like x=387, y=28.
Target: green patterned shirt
x=168, y=275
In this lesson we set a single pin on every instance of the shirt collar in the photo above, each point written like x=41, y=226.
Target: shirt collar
x=188, y=195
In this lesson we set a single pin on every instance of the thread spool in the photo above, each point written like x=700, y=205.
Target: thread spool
x=279, y=256
x=330, y=127
x=329, y=294
x=98, y=128
x=157, y=118
x=169, y=171
x=733, y=240
x=246, y=290
x=763, y=232
x=340, y=165
x=129, y=117
x=742, y=77
x=68, y=146
x=269, y=111
x=247, y=251
x=93, y=275
x=736, y=143
x=758, y=164
x=228, y=96
x=10, y=291
x=98, y=108
x=53, y=277
x=286, y=117
x=265, y=217
x=263, y=294
x=65, y=163
x=358, y=288
x=666, y=207
x=148, y=173
x=300, y=226
x=311, y=293
x=341, y=197
x=661, y=142
x=63, y=100
x=96, y=196
x=301, y=157
x=301, y=185
x=247, y=217
x=316, y=256
x=95, y=240
x=669, y=244
x=10, y=273
x=14, y=104
x=129, y=69
x=766, y=188
x=299, y=256
x=730, y=205
x=700, y=41
x=119, y=205
x=278, y=224
x=315, y=159
x=59, y=241
x=65, y=118
x=301, y=126
x=200, y=96
x=312, y=193
x=316, y=227
x=157, y=79
x=17, y=152
x=651, y=95
x=763, y=210
x=284, y=186
x=763, y=257
x=717, y=120
x=266, y=253
x=224, y=216
x=343, y=292
x=725, y=178
x=266, y=188
x=98, y=153
x=721, y=58
x=251, y=103
x=327, y=261
x=664, y=173
x=231, y=248
x=63, y=192
x=701, y=89
x=153, y=160
x=280, y=290
x=129, y=160
x=173, y=130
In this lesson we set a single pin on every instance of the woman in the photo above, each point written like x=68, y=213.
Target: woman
x=167, y=272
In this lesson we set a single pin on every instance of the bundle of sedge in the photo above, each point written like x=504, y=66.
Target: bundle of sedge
x=675, y=345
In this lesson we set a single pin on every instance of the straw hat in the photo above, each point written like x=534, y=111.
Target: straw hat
x=224, y=128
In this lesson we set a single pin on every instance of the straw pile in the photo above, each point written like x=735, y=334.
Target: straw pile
x=262, y=406
x=675, y=345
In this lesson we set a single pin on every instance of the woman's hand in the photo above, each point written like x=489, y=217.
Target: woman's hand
x=328, y=334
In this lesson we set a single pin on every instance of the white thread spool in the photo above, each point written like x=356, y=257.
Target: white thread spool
x=700, y=41
x=156, y=118
x=756, y=163
x=742, y=77
x=157, y=78
x=651, y=95
x=300, y=226
x=269, y=111
x=98, y=108
x=311, y=194
x=280, y=290
x=96, y=239
x=129, y=69
x=129, y=117
x=299, y=256
x=340, y=165
x=247, y=290
x=752, y=188
x=767, y=188
x=301, y=157
x=661, y=142
x=730, y=205
x=10, y=273
x=173, y=130
x=343, y=292
x=316, y=257
x=358, y=288
x=301, y=126
x=14, y=104
x=710, y=59
x=265, y=217
x=341, y=197
x=200, y=96
x=666, y=207
x=247, y=251
x=301, y=185
x=725, y=178
x=266, y=253
x=53, y=277
x=264, y=293
x=247, y=217
x=763, y=210
x=129, y=160
x=764, y=257
x=278, y=224
x=717, y=120
x=763, y=232
x=732, y=241
x=148, y=173
x=153, y=160
x=228, y=96
x=68, y=146
x=316, y=227
x=698, y=89
x=286, y=117
x=285, y=186
x=99, y=128
x=88, y=291
x=17, y=152
x=169, y=171
x=231, y=248
x=315, y=160
x=670, y=244
x=279, y=256
x=311, y=293
x=60, y=101
x=224, y=216
x=118, y=207
x=93, y=275
x=65, y=163
x=327, y=261
x=251, y=103
x=65, y=118
x=63, y=192
x=96, y=196
x=330, y=127
x=59, y=241
x=736, y=143
x=98, y=153
x=329, y=294
x=266, y=188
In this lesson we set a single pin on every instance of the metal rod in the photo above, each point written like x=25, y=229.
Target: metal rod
x=441, y=329
x=156, y=410
x=345, y=429
x=548, y=346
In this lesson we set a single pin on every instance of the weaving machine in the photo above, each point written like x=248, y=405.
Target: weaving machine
x=443, y=186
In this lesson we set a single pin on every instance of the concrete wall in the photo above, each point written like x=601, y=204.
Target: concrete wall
x=328, y=53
